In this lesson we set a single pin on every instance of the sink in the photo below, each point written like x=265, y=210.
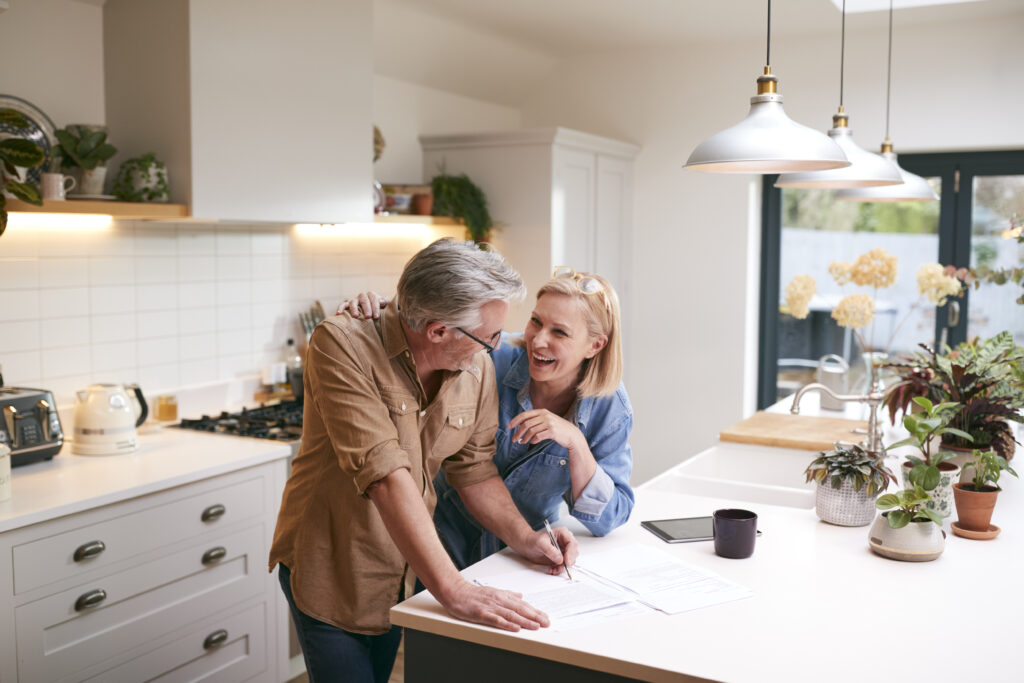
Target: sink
x=756, y=474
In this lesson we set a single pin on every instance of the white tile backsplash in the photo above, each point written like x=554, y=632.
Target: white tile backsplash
x=19, y=272
x=169, y=305
x=62, y=302
x=63, y=272
x=67, y=331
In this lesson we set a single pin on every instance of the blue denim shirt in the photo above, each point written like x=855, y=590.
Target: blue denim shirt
x=537, y=475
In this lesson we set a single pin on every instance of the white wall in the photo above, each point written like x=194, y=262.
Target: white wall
x=51, y=52
x=403, y=111
x=954, y=87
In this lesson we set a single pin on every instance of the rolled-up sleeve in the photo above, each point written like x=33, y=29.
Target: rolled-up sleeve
x=607, y=500
x=358, y=423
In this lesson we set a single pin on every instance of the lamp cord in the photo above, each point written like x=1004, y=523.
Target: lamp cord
x=888, y=76
x=768, y=55
x=842, y=57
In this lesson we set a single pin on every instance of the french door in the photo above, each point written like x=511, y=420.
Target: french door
x=981, y=197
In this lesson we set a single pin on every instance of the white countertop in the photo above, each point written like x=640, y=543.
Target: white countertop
x=825, y=608
x=166, y=457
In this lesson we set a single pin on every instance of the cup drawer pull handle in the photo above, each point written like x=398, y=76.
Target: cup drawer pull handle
x=214, y=554
x=213, y=513
x=90, y=599
x=215, y=639
x=88, y=550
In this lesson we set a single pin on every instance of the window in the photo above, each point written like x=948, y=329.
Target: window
x=805, y=230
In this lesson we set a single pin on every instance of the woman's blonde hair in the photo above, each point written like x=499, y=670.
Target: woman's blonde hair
x=602, y=373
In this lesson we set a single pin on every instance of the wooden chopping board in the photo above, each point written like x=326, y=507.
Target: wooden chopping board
x=803, y=432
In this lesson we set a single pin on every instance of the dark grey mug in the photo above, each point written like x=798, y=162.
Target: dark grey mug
x=735, y=532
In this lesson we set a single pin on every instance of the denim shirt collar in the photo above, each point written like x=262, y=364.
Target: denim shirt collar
x=518, y=379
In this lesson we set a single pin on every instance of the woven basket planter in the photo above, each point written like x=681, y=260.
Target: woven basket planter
x=844, y=506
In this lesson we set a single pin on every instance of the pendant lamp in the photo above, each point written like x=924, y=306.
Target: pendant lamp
x=865, y=169
x=766, y=141
x=914, y=187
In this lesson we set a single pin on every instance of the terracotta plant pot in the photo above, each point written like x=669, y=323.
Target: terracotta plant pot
x=422, y=204
x=942, y=495
x=974, y=508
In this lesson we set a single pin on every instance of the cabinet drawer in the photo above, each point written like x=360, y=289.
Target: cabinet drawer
x=58, y=635
x=53, y=558
x=239, y=655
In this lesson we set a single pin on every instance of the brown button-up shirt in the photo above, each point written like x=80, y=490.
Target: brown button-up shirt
x=365, y=416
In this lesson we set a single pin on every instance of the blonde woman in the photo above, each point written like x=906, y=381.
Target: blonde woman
x=564, y=416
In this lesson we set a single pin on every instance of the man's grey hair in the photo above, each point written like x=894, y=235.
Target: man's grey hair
x=448, y=281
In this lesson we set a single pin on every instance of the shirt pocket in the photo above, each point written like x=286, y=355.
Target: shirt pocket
x=402, y=409
x=455, y=431
x=539, y=483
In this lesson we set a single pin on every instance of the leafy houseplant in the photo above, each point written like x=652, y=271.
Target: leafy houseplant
x=142, y=179
x=85, y=148
x=976, y=500
x=984, y=377
x=933, y=471
x=458, y=197
x=849, y=478
x=14, y=153
x=908, y=529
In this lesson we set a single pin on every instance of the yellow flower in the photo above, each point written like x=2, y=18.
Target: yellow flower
x=798, y=295
x=934, y=284
x=840, y=272
x=855, y=310
x=877, y=268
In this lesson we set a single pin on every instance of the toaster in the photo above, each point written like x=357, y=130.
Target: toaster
x=29, y=425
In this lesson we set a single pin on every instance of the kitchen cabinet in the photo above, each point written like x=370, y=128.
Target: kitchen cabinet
x=172, y=581
x=558, y=197
x=262, y=111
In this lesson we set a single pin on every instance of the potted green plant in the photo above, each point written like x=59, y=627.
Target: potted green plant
x=17, y=153
x=983, y=376
x=458, y=197
x=849, y=479
x=976, y=500
x=142, y=179
x=932, y=471
x=85, y=150
x=908, y=529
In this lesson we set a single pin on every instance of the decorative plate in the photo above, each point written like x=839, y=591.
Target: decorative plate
x=40, y=131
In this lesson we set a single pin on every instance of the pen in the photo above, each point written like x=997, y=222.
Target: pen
x=551, y=535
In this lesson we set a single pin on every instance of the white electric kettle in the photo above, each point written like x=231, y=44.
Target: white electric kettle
x=106, y=416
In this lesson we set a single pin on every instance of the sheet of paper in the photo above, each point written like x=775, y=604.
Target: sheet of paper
x=569, y=604
x=660, y=579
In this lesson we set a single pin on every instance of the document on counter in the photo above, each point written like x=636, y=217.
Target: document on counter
x=659, y=579
x=569, y=604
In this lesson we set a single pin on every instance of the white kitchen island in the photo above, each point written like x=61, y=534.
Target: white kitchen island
x=132, y=566
x=825, y=608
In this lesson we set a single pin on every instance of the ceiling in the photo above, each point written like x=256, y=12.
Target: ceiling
x=562, y=28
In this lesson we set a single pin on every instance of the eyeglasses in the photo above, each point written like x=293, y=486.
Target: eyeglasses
x=491, y=348
x=585, y=283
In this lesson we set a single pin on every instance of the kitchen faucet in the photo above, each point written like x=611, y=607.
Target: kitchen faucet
x=873, y=399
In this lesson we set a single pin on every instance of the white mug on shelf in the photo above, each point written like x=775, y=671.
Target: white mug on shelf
x=56, y=185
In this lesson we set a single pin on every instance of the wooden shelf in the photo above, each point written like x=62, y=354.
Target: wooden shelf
x=408, y=218
x=127, y=210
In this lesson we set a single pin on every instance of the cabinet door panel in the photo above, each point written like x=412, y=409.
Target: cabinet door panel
x=573, y=209
x=239, y=657
x=53, y=558
x=56, y=637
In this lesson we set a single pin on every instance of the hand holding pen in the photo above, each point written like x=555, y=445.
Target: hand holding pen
x=558, y=546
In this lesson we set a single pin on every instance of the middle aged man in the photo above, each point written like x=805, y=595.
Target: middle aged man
x=387, y=403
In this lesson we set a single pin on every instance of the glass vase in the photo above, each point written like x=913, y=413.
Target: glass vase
x=873, y=380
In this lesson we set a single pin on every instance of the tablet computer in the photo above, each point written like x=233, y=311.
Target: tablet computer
x=682, y=529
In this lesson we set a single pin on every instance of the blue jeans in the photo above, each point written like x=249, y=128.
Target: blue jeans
x=332, y=654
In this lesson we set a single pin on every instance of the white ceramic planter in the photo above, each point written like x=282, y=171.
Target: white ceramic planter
x=942, y=495
x=916, y=542
x=843, y=506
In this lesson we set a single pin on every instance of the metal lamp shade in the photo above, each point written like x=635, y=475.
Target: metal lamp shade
x=766, y=141
x=865, y=170
x=914, y=188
